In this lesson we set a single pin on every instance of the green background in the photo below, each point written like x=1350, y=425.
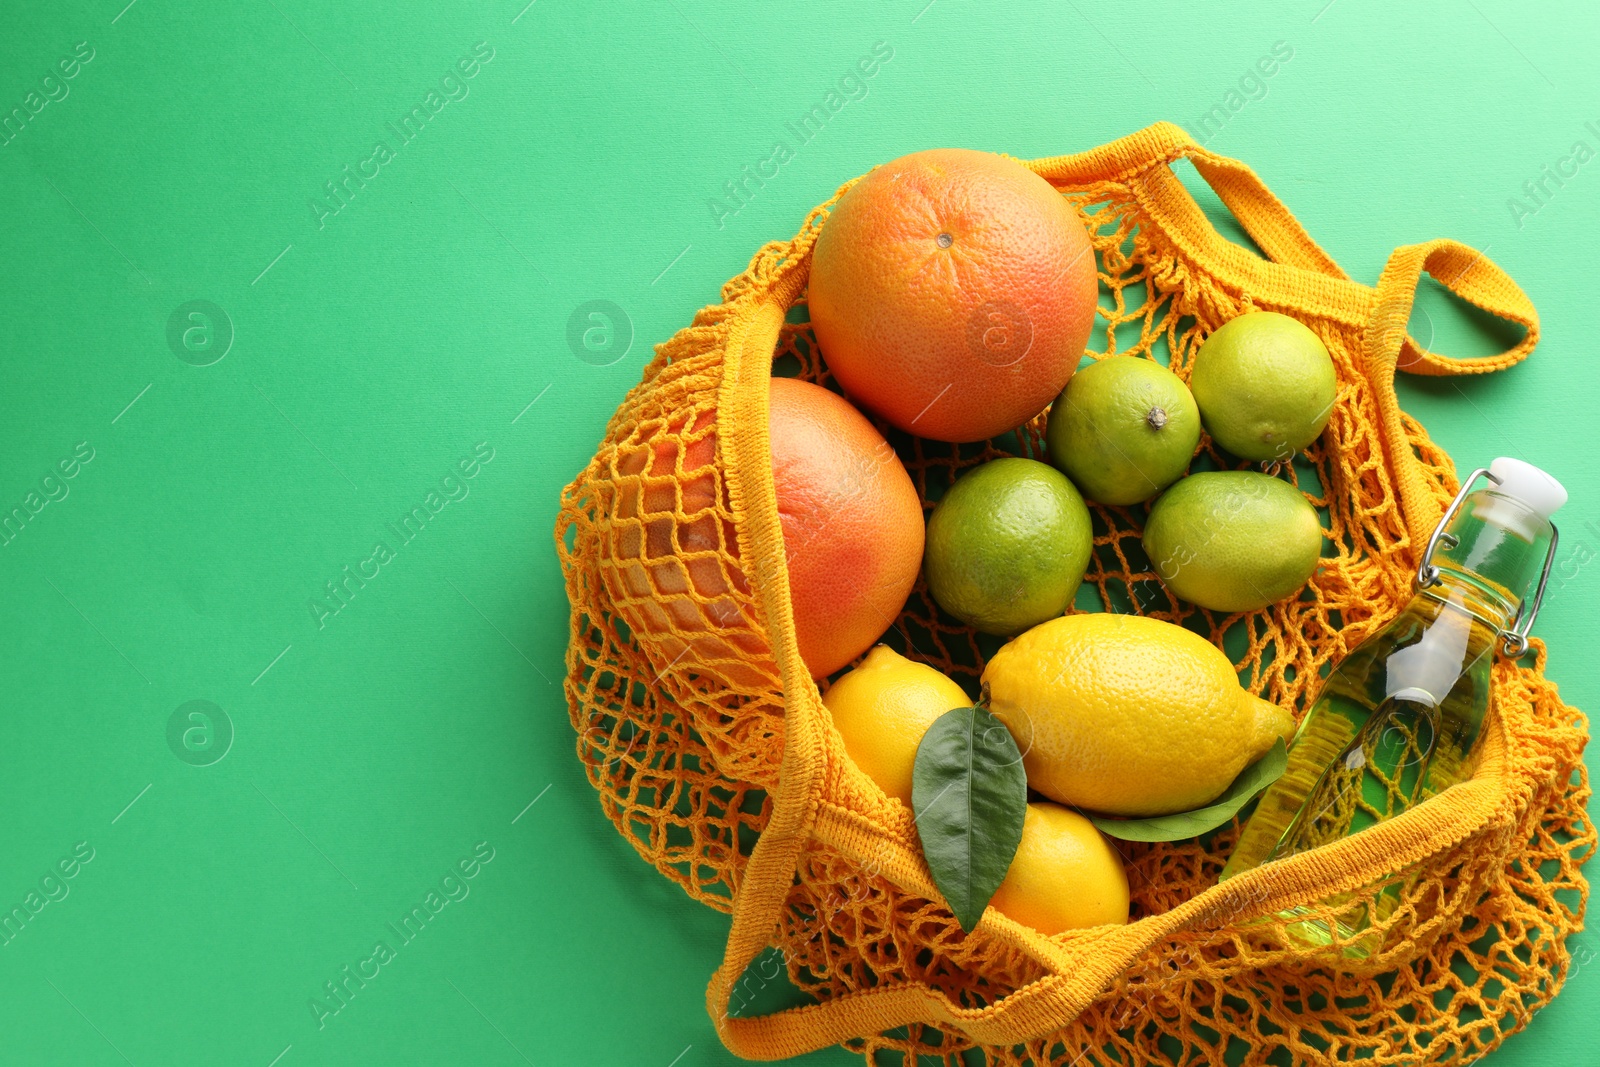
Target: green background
x=372, y=352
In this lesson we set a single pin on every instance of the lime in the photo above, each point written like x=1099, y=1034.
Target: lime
x=1265, y=386
x=1007, y=546
x=1123, y=429
x=1233, y=540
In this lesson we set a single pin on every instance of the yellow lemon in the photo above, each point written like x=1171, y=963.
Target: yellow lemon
x=1126, y=715
x=882, y=709
x=1065, y=874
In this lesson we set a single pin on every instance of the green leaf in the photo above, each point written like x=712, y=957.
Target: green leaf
x=970, y=793
x=1182, y=825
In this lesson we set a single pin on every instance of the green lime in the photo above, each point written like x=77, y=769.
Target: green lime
x=1265, y=386
x=1233, y=540
x=1123, y=429
x=1007, y=546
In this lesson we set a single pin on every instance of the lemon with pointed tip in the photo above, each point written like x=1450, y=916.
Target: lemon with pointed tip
x=881, y=710
x=1127, y=715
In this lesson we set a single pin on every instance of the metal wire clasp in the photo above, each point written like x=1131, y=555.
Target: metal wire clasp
x=1516, y=637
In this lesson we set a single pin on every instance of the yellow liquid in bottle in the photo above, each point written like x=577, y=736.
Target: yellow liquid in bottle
x=1376, y=743
x=1397, y=722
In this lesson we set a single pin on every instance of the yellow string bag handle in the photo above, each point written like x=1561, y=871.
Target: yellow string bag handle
x=1466, y=273
x=836, y=879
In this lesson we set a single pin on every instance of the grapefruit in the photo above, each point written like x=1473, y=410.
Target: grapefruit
x=661, y=560
x=952, y=293
x=852, y=531
x=852, y=523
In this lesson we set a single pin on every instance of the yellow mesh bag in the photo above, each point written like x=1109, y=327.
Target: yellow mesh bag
x=707, y=741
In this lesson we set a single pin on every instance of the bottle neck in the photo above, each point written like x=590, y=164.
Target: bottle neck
x=1490, y=557
x=1461, y=591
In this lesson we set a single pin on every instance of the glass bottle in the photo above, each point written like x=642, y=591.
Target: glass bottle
x=1398, y=720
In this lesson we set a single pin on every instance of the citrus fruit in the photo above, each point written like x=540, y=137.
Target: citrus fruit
x=1233, y=540
x=881, y=710
x=852, y=531
x=1008, y=545
x=669, y=529
x=1123, y=429
x=1064, y=876
x=1127, y=715
x=852, y=523
x=1265, y=385
x=952, y=293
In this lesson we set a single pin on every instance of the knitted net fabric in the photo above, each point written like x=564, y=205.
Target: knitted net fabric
x=679, y=704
